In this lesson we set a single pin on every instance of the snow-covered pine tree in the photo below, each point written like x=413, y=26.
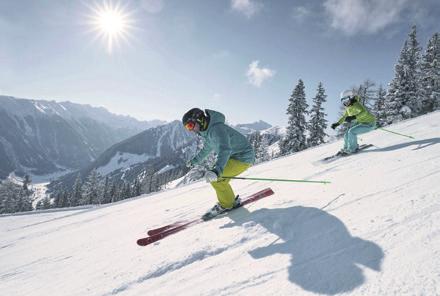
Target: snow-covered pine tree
x=367, y=93
x=61, y=199
x=414, y=74
x=126, y=190
x=404, y=95
x=46, y=203
x=27, y=182
x=8, y=199
x=137, y=188
x=106, y=194
x=114, y=192
x=317, y=123
x=430, y=75
x=13, y=198
x=75, y=196
x=260, y=144
x=295, y=139
x=255, y=141
x=262, y=154
x=379, y=106
x=90, y=189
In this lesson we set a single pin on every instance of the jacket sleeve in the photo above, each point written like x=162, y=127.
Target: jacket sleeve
x=223, y=142
x=202, y=154
x=342, y=119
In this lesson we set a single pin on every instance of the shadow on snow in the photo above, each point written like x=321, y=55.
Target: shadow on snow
x=325, y=258
x=419, y=143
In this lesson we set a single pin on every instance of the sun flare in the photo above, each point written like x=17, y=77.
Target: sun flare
x=112, y=23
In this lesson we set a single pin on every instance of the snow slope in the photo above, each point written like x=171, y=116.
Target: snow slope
x=375, y=230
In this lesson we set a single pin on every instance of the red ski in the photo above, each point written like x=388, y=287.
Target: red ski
x=162, y=232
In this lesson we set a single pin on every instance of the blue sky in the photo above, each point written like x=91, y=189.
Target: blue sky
x=242, y=57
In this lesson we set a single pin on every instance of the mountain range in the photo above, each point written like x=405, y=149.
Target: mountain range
x=41, y=137
x=154, y=150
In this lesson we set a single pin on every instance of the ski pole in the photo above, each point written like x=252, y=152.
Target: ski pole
x=381, y=128
x=277, y=180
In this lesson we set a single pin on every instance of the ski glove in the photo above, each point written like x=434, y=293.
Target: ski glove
x=211, y=176
x=334, y=125
x=350, y=118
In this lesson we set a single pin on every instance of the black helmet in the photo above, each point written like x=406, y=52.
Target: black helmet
x=195, y=115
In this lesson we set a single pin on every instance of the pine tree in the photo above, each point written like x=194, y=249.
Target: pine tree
x=379, y=107
x=255, y=141
x=125, y=190
x=367, y=93
x=430, y=75
x=295, y=139
x=263, y=151
x=90, y=189
x=61, y=199
x=26, y=185
x=13, y=198
x=114, y=192
x=76, y=195
x=46, y=203
x=137, y=187
x=317, y=124
x=260, y=144
x=106, y=191
x=404, y=95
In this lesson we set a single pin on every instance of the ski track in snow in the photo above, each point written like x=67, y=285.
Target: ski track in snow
x=173, y=266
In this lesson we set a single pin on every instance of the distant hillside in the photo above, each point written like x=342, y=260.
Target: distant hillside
x=155, y=150
x=248, y=128
x=41, y=137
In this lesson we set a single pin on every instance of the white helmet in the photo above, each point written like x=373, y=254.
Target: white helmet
x=347, y=97
x=347, y=93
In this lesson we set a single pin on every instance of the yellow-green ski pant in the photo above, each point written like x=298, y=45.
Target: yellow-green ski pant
x=225, y=194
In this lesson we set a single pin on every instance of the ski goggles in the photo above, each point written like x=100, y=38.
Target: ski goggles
x=346, y=100
x=190, y=125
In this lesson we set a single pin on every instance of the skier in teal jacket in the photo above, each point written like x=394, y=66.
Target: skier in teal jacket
x=363, y=121
x=234, y=154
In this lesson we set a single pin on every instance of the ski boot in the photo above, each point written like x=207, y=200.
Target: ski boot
x=218, y=209
x=342, y=152
x=215, y=211
x=237, y=202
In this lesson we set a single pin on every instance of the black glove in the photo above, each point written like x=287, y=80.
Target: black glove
x=334, y=125
x=350, y=118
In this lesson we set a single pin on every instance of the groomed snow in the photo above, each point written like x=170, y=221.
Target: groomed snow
x=375, y=230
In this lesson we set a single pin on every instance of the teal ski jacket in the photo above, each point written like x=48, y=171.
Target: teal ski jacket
x=225, y=141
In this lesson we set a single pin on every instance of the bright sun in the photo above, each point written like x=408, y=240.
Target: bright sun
x=111, y=23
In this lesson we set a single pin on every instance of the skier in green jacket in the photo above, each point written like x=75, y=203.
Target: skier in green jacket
x=234, y=154
x=362, y=121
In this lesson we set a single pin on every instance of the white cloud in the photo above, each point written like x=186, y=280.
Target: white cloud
x=152, y=6
x=364, y=16
x=248, y=7
x=256, y=76
x=300, y=13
